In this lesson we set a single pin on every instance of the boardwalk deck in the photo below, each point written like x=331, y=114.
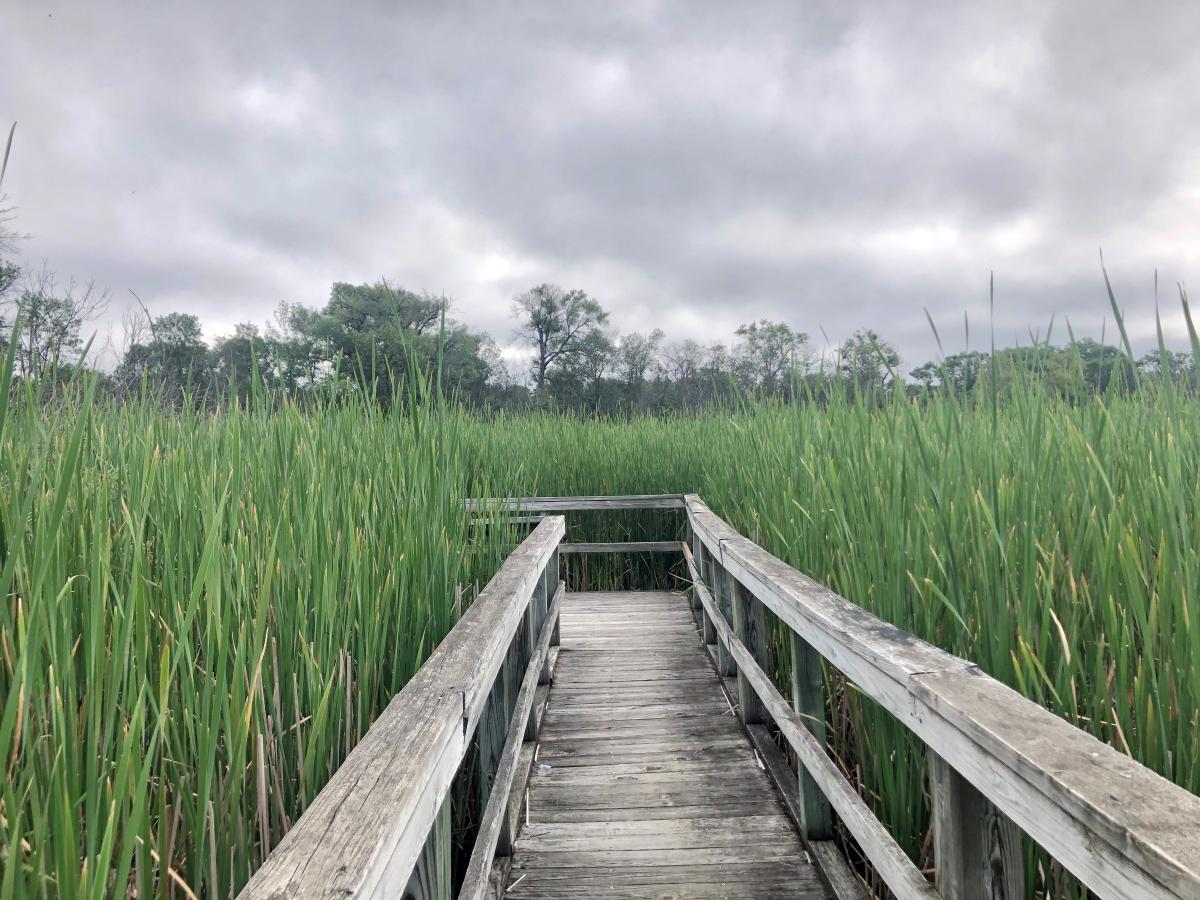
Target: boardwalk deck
x=646, y=784
x=644, y=781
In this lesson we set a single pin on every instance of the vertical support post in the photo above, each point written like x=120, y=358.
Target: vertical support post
x=694, y=545
x=808, y=700
x=555, y=571
x=493, y=725
x=977, y=849
x=725, y=664
x=430, y=879
x=700, y=557
x=750, y=628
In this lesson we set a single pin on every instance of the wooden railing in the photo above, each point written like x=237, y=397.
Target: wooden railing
x=381, y=827
x=997, y=761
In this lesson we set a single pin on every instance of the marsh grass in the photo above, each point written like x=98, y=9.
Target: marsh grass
x=203, y=614
x=204, y=611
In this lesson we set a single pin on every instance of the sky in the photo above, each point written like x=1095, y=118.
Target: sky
x=691, y=165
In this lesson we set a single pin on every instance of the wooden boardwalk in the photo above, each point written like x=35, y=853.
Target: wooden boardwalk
x=592, y=743
x=645, y=783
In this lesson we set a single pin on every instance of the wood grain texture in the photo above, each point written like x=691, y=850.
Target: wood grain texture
x=495, y=829
x=364, y=832
x=976, y=849
x=622, y=547
x=902, y=877
x=645, y=783
x=1120, y=828
x=574, y=504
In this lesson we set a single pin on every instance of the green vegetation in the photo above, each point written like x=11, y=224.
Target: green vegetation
x=204, y=610
x=202, y=614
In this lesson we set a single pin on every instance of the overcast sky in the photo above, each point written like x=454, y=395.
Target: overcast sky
x=692, y=166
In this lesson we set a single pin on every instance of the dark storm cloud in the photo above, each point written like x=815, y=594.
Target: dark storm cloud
x=693, y=166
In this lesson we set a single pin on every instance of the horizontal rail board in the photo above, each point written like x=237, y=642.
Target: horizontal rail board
x=1122, y=829
x=475, y=882
x=624, y=547
x=903, y=878
x=364, y=831
x=577, y=504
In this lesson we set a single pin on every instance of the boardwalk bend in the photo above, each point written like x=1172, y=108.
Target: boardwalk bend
x=628, y=745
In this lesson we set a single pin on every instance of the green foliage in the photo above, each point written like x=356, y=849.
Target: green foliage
x=202, y=614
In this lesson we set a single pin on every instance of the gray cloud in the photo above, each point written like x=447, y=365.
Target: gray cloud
x=837, y=165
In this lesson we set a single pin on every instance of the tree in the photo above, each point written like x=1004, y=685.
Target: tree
x=379, y=334
x=866, y=361
x=174, y=360
x=958, y=372
x=578, y=379
x=768, y=354
x=634, y=356
x=239, y=358
x=557, y=323
x=1172, y=364
x=52, y=316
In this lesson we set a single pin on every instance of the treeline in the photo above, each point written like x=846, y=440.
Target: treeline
x=370, y=338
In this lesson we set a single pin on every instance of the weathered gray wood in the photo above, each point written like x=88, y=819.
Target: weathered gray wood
x=827, y=857
x=622, y=547
x=494, y=837
x=750, y=629
x=363, y=833
x=643, y=765
x=808, y=700
x=843, y=884
x=1120, y=828
x=430, y=879
x=730, y=881
x=977, y=850
x=576, y=504
x=901, y=876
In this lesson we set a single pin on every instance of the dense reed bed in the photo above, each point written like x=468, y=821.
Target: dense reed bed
x=203, y=612
x=202, y=615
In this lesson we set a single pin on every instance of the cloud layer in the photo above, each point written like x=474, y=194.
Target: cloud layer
x=835, y=165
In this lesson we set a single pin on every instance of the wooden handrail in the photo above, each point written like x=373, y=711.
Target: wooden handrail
x=577, y=504
x=365, y=830
x=1123, y=830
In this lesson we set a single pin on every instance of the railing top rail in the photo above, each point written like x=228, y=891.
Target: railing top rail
x=1124, y=830
x=577, y=504
x=365, y=828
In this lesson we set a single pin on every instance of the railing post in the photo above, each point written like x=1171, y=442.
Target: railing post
x=493, y=723
x=430, y=879
x=750, y=628
x=808, y=700
x=976, y=848
x=554, y=572
x=725, y=664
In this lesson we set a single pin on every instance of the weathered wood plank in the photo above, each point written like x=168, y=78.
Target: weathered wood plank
x=494, y=829
x=732, y=881
x=750, y=629
x=826, y=856
x=977, y=850
x=363, y=833
x=622, y=547
x=642, y=764
x=893, y=865
x=708, y=808
x=659, y=834
x=1123, y=830
x=808, y=700
x=577, y=504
